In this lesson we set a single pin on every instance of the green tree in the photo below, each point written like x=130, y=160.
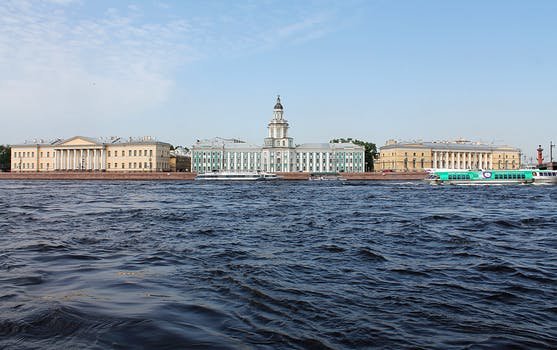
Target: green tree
x=370, y=150
x=5, y=158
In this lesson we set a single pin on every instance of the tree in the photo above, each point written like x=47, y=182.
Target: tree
x=370, y=150
x=5, y=158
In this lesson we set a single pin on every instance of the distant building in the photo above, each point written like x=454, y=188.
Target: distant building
x=278, y=153
x=460, y=154
x=86, y=154
x=180, y=160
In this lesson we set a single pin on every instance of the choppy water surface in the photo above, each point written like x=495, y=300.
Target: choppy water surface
x=282, y=265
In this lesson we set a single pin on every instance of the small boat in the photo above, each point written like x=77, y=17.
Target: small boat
x=480, y=177
x=544, y=176
x=237, y=176
x=325, y=177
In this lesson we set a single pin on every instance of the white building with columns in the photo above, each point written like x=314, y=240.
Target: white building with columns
x=278, y=153
x=81, y=153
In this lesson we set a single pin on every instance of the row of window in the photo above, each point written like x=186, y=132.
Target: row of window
x=23, y=166
x=278, y=154
x=134, y=165
x=24, y=154
x=509, y=176
x=459, y=177
x=133, y=153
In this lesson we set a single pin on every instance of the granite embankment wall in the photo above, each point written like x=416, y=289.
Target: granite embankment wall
x=164, y=176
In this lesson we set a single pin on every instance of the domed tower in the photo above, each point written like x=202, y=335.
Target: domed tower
x=278, y=126
x=278, y=148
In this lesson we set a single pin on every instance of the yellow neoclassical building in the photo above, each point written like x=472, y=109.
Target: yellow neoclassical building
x=460, y=154
x=81, y=153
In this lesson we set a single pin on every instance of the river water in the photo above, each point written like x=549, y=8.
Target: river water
x=278, y=265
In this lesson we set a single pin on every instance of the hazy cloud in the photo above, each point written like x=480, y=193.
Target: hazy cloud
x=61, y=64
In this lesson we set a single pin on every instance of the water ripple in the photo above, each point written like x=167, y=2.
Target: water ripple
x=284, y=265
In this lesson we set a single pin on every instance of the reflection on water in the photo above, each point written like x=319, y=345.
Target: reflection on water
x=276, y=265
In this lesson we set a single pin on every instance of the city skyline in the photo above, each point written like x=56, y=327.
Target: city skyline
x=369, y=70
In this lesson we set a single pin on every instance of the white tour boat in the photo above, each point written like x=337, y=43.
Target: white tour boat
x=544, y=176
x=236, y=176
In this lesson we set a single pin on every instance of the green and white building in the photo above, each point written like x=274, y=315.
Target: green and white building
x=278, y=153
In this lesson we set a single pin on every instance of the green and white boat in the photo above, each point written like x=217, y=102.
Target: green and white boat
x=480, y=177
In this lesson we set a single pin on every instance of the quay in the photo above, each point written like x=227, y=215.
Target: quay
x=187, y=176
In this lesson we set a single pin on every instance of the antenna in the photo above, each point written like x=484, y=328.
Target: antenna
x=551, y=146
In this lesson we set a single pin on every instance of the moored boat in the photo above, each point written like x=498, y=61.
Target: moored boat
x=480, y=177
x=325, y=177
x=544, y=176
x=236, y=176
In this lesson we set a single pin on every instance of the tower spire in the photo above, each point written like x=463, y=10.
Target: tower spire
x=278, y=105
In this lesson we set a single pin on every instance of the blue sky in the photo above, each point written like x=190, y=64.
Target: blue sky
x=187, y=70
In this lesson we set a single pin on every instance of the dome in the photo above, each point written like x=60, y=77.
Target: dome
x=278, y=105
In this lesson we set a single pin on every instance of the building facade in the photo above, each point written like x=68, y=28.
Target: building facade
x=86, y=154
x=461, y=154
x=278, y=153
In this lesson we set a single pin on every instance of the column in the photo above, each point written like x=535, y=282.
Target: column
x=452, y=160
x=103, y=163
x=81, y=159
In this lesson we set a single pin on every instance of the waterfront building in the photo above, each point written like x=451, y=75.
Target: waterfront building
x=460, y=154
x=180, y=160
x=81, y=153
x=278, y=153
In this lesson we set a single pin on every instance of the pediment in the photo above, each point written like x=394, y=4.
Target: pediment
x=79, y=141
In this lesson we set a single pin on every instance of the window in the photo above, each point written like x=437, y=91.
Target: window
x=123, y=154
x=130, y=165
x=130, y=153
x=108, y=165
x=47, y=154
x=139, y=165
x=109, y=154
x=123, y=165
x=135, y=153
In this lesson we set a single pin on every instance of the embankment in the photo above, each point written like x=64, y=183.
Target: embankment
x=169, y=176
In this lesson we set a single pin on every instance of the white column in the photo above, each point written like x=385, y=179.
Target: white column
x=102, y=160
x=95, y=161
x=81, y=159
x=435, y=159
x=88, y=159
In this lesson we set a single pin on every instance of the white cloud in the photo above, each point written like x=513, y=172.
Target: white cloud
x=58, y=63
x=57, y=68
